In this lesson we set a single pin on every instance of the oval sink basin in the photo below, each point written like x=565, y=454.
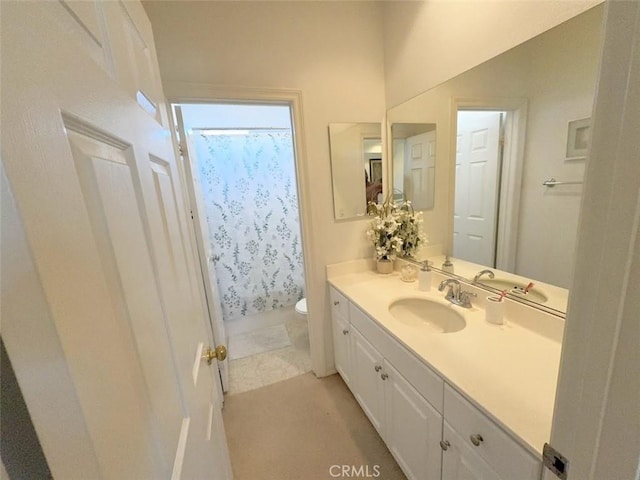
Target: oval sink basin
x=427, y=315
x=515, y=289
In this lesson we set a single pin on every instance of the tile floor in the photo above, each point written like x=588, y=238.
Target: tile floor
x=265, y=368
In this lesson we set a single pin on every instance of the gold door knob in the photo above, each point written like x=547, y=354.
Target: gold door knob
x=220, y=353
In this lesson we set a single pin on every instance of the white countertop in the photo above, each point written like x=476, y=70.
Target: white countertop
x=509, y=371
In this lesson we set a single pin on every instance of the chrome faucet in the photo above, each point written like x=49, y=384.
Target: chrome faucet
x=489, y=273
x=455, y=294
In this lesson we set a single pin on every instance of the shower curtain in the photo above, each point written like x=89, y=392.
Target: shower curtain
x=249, y=187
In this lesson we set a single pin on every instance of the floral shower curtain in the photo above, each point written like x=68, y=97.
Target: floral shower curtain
x=251, y=205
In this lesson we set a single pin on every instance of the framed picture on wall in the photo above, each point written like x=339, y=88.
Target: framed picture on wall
x=578, y=139
x=375, y=170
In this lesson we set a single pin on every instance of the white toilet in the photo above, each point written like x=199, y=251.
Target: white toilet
x=301, y=309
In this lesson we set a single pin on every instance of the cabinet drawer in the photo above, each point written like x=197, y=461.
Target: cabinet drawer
x=421, y=377
x=339, y=303
x=509, y=460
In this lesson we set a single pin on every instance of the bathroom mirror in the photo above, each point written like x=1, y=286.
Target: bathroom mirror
x=504, y=214
x=356, y=167
x=414, y=163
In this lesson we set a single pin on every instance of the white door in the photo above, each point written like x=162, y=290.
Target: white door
x=342, y=347
x=205, y=254
x=98, y=203
x=477, y=186
x=367, y=378
x=412, y=428
x=460, y=462
x=420, y=169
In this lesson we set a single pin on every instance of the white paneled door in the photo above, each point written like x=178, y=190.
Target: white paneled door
x=420, y=168
x=477, y=187
x=98, y=214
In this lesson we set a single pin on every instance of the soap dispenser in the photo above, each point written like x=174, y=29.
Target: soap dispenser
x=424, y=277
x=447, y=266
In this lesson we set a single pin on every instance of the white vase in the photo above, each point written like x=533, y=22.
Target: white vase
x=384, y=266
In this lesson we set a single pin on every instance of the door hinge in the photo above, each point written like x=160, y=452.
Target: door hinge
x=180, y=149
x=555, y=461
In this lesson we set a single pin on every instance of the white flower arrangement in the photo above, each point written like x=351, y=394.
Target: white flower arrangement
x=396, y=229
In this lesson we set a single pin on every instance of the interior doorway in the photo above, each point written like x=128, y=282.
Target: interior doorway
x=504, y=197
x=242, y=172
x=479, y=140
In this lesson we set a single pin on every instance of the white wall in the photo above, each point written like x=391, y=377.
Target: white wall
x=331, y=51
x=428, y=42
x=563, y=67
x=556, y=73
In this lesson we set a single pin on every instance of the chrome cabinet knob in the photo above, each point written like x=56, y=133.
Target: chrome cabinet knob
x=345, y=331
x=444, y=445
x=384, y=376
x=476, y=439
x=377, y=368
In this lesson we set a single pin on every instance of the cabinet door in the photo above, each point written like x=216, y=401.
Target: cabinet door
x=460, y=462
x=367, y=373
x=342, y=347
x=506, y=457
x=412, y=428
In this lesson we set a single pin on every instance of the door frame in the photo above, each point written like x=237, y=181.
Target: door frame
x=186, y=92
x=593, y=421
x=510, y=175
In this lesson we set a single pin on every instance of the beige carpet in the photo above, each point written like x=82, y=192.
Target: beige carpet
x=299, y=428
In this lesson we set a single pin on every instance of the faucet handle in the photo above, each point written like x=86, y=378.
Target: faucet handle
x=465, y=298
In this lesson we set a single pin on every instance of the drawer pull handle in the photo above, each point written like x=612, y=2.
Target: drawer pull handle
x=444, y=445
x=378, y=368
x=345, y=331
x=384, y=376
x=336, y=302
x=476, y=439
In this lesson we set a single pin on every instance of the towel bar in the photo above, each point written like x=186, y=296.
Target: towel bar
x=552, y=182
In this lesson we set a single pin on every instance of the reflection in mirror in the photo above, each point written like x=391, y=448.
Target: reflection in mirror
x=477, y=181
x=356, y=167
x=414, y=163
x=497, y=212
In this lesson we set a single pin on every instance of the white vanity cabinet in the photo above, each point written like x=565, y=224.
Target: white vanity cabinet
x=371, y=361
x=432, y=430
x=476, y=444
x=460, y=462
x=341, y=334
x=412, y=428
x=368, y=378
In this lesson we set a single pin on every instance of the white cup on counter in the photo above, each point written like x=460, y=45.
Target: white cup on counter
x=494, y=310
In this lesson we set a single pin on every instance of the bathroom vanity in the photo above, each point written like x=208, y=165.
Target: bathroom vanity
x=476, y=402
